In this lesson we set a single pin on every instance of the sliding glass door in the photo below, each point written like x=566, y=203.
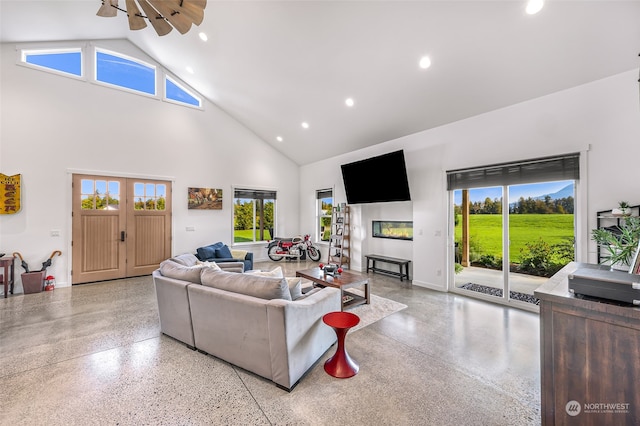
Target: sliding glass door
x=507, y=247
x=513, y=227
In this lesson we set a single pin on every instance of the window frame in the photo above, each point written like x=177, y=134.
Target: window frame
x=265, y=193
x=88, y=64
x=25, y=51
x=182, y=87
x=95, y=80
x=320, y=196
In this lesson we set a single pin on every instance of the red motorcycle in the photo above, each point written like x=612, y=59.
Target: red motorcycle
x=292, y=248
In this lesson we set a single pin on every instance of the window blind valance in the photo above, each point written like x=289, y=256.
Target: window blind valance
x=324, y=193
x=254, y=194
x=564, y=167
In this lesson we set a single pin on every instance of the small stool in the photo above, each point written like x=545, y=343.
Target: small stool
x=340, y=364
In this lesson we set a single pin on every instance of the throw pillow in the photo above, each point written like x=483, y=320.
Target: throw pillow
x=207, y=264
x=239, y=254
x=249, y=284
x=208, y=252
x=223, y=253
x=275, y=273
x=175, y=270
x=295, y=287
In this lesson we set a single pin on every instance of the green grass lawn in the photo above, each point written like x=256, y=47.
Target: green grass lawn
x=246, y=235
x=486, y=230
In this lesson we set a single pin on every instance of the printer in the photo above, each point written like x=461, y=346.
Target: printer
x=606, y=284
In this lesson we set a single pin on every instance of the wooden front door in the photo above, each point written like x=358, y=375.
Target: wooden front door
x=121, y=227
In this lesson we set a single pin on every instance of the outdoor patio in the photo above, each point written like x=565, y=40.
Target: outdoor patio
x=521, y=283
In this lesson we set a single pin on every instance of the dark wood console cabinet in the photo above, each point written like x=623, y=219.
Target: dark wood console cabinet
x=590, y=357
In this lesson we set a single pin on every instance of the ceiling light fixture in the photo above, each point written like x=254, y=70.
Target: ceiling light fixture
x=350, y=102
x=189, y=70
x=203, y=36
x=279, y=138
x=305, y=125
x=425, y=62
x=534, y=6
x=164, y=15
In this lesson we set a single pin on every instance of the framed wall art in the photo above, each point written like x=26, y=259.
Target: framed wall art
x=205, y=198
x=10, y=194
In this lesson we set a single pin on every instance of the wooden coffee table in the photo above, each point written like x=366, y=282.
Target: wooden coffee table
x=343, y=281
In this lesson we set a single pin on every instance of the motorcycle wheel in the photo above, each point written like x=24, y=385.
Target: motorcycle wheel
x=314, y=253
x=272, y=254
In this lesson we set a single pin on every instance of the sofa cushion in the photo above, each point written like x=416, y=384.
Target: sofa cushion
x=175, y=270
x=186, y=259
x=294, y=283
x=208, y=252
x=224, y=252
x=249, y=284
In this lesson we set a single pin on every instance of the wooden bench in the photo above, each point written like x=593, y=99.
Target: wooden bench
x=402, y=263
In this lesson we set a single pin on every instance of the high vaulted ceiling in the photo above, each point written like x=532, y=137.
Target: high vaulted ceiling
x=274, y=64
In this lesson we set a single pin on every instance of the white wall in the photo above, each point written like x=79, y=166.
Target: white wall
x=52, y=126
x=600, y=119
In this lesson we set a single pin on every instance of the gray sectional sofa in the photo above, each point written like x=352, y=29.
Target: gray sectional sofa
x=245, y=319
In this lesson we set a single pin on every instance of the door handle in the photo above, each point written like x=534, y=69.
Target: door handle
x=122, y=235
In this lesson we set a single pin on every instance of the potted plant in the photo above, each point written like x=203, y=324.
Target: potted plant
x=625, y=208
x=620, y=242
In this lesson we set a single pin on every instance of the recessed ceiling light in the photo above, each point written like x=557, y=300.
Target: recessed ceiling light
x=189, y=70
x=349, y=102
x=534, y=6
x=305, y=124
x=279, y=138
x=203, y=36
x=425, y=62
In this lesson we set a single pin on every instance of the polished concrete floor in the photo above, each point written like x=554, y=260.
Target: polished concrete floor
x=93, y=354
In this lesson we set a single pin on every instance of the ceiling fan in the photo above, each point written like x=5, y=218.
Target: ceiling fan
x=164, y=15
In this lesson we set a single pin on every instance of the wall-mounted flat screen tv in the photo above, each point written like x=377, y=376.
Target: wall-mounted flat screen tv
x=377, y=180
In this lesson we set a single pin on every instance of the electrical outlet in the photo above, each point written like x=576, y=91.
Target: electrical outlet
x=55, y=232
x=439, y=272
x=191, y=228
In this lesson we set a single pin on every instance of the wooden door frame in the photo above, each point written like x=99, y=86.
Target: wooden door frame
x=69, y=205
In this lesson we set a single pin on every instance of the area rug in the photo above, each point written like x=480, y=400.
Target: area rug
x=515, y=295
x=379, y=308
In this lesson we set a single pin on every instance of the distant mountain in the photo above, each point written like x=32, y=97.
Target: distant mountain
x=565, y=192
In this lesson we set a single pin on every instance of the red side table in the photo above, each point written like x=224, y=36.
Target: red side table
x=340, y=364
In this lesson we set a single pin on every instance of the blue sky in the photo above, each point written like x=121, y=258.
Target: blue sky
x=516, y=191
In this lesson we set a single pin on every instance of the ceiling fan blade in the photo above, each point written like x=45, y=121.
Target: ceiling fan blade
x=198, y=3
x=161, y=26
x=107, y=10
x=175, y=18
x=136, y=22
x=190, y=10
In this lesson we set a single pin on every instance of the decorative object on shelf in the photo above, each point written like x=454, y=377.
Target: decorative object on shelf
x=164, y=15
x=204, y=199
x=617, y=245
x=624, y=209
x=10, y=194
